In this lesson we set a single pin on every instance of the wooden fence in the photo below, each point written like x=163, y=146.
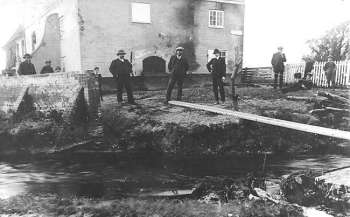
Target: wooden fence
x=342, y=77
x=257, y=75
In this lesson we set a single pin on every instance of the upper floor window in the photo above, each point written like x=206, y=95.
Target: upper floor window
x=140, y=13
x=216, y=18
x=33, y=41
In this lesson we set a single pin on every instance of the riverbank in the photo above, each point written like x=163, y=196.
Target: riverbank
x=153, y=126
x=53, y=205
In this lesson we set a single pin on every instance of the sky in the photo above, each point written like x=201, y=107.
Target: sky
x=268, y=24
x=287, y=23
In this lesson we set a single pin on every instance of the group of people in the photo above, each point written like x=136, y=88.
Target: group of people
x=27, y=67
x=278, y=60
x=178, y=67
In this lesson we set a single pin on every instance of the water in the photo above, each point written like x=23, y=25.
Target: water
x=111, y=176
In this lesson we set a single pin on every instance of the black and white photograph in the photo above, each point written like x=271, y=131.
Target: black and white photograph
x=175, y=108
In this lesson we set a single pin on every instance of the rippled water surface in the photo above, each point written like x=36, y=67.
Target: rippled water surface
x=109, y=176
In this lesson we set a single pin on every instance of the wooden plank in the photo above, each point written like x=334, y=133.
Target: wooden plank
x=276, y=122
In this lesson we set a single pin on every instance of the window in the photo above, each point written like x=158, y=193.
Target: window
x=216, y=19
x=223, y=54
x=141, y=13
x=33, y=41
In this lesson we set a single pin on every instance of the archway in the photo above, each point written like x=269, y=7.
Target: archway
x=153, y=65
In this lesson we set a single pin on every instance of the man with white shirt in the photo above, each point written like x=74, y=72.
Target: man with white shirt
x=217, y=67
x=121, y=69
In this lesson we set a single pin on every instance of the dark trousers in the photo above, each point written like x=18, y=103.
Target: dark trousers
x=124, y=81
x=175, y=79
x=280, y=75
x=218, y=84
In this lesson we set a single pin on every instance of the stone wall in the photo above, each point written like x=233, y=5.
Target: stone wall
x=46, y=113
x=49, y=92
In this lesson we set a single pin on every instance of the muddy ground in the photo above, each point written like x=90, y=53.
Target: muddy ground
x=152, y=125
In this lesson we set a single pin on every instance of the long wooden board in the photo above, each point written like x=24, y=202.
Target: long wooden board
x=266, y=120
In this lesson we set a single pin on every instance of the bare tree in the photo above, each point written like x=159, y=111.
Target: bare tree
x=335, y=42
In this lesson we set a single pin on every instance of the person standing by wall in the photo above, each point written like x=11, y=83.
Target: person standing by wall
x=217, y=67
x=121, y=70
x=99, y=80
x=26, y=67
x=277, y=61
x=330, y=72
x=178, y=67
x=47, y=68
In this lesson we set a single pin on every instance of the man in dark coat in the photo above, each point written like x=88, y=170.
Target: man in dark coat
x=178, y=67
x=47, y=68
x=98, y=76
x=330, y=71
x=121, y=70
x=309, y=66
x=217, y=67
x=26, y=67
x=277, y=62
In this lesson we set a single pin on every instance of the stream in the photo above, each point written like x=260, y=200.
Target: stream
x=110, y=176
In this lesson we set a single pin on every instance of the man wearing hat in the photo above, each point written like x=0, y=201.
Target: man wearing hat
x=330, y=71
x=47, y=68
x=178, y=67
x=277, y=62
x=26, y=67
x=121, y=70
x=217, y=67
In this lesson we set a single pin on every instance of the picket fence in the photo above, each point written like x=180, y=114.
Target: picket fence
x=342, y=77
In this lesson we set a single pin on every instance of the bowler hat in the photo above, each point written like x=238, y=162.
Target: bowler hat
x=216, y=51
x=121, y=52
x=27, y=55
x=180, y=48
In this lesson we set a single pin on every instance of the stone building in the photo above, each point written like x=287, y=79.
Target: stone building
x=81, y=34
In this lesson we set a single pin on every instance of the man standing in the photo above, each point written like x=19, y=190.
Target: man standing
x=330, y=71
x=178, y=67
x=121, y=69
x=47, y=68
x=277, y=62
x=309, y=66
x=217, y=67
x=98, y=76
x=26, y=67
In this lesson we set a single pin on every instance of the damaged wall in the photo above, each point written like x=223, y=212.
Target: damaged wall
x=50, y=46
x=66, y=24
x=109, y=27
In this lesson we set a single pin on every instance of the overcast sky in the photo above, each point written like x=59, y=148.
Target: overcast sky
x=268, y=24
x=288, y=23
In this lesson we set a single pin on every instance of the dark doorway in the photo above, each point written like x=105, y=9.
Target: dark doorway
x=153, y=65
